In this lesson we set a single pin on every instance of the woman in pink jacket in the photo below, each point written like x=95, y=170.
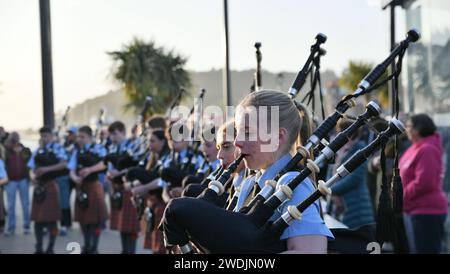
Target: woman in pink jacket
x=421, y=169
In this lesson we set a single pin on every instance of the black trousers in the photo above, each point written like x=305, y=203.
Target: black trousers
x=427, y=232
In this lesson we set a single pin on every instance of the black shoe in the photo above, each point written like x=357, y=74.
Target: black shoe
x=84, y=250
x=95, y=251
x=50, y=251
x=39, y=252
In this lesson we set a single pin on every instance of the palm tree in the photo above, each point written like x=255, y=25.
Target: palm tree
x=145, y=69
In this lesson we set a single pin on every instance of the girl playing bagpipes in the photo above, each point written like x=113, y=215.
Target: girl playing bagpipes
x=266, y=149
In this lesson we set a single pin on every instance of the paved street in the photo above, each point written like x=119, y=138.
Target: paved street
x=24, y=244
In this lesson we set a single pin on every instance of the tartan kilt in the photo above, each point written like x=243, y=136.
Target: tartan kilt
x=113, y=213
x=154, y=240
x=96, y=212
x=114, y=219
x=2, y=206
x=147, y=235
x=49, y=209
x=127, y=220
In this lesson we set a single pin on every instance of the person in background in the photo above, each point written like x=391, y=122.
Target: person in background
x=65, y=185
x=351, y=193
x=3, y=135
x=90, y=207
x=154, y=213
x=123, y=214
x=16, y=158
x=3, y=181
x=422, y=172
x=46, y=163
x=209, y=148
x=103, y=138
x=227, y=153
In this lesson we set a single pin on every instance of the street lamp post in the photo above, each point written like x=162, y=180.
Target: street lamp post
x=46, y=53
x=226, y=71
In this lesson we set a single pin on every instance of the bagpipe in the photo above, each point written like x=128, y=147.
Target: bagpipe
x=63, y=124
x=193, y=189
x=215, y=193
x=141, y=148
x=251, y=231
x=177, y=169
x=180, y=168
x=121, y=161
x=46, y=157
x=347, y=102
x=257, y=82
x=86, y=158
x=99, y=123
x=174, y=104
x=266, y=202
x=124, y=160
x=244, y=233
x=190, y=160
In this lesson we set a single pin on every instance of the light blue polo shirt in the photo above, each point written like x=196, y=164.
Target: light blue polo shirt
x=97, y=149
x=311, y=222
x=55, y=147
x=2, y=169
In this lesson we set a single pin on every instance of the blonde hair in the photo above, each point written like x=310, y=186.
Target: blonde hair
x=289, y=117
x=306, y=128
x=225, y=128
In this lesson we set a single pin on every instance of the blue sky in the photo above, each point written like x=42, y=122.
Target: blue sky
x=83, y=30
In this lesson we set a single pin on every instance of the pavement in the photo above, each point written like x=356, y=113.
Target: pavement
x=19, y=243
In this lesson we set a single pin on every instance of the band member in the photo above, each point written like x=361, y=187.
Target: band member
x=3, y=181
x=154, y=213
x=127, y=221
x=209, y=149
x=46, y=164
x=65, y=185
x=159, y=150
x=156, y=122
x=183, y=162
x=90, y=207
x=226, y=154
x=308, y=235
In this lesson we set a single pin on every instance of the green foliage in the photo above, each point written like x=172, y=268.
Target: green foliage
x=145, y=69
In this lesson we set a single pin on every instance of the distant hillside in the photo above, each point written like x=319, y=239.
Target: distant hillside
x=113, y=101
